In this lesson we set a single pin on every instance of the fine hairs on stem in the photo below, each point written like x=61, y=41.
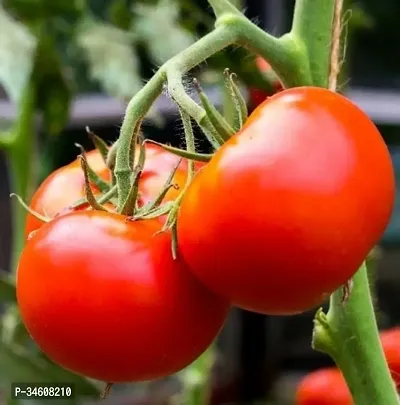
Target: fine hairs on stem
x=335, y=47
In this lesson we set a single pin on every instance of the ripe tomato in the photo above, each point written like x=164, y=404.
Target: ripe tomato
x=257, y=96
x=158, y=166
x=103, y=297
x=390, y=340
x=66, y=185
x=62, y=188
x=326, y=386
x=291, y=205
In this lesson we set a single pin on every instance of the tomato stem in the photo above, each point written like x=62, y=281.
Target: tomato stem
x=20, y=158
x=349, y=332
x=286, y=56
x=311, y=27
x=350, y=336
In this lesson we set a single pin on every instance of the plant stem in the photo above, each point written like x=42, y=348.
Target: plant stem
x=232, y=27
x=286, y=55
x=349, y=332
x=312, y=24
x=350, y=336
x=20, y=167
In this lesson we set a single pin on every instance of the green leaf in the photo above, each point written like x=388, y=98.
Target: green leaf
x=195, y=379
x=120, y=14
x=20, y=365
x=111, y=57
x=17, y=50
x=158, y=27
x=53, y=100
x=7, y=288
x=34, y=10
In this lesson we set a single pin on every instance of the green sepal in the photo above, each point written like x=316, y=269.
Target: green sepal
x=99, y=144
x=216, y=118
x=239, y=103
x=197, y=157
x=93, y=177
x=91, y=199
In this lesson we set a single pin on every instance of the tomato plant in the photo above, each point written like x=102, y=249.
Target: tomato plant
x=291, y=205
x=66, y=185
x=102, y=297
x=390, y=340
x=323, y=387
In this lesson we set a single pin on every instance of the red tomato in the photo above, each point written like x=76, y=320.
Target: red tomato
x=62, y=188
x=390, y=340
x=326, y=386
x=103, y=297
x=286, y=210
x=66, y=185
x=257, y=96
x=158, y=166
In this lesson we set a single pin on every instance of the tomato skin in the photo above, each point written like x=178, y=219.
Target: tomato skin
x=157, y=168
x=325, y=386
x=61, y=189
x=291, y=205
x=103, y=297
x=390, y=340
x=66, y=185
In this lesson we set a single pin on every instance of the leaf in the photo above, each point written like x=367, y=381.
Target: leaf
x=17, y=51
x=34, y=10
x=158, y=27
x=20, y=365
x=7, y=288
x=120, y=14
x=111, y=57
x=53, y=100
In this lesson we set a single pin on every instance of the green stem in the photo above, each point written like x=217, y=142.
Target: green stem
x=20, y=159
x=284, y=54
x=135, y=111
x=350, y=336
x=312, y=26
x=349, y=332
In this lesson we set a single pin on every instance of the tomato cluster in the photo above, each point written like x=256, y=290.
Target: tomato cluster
x=282, y=215
x=327, y=386
x=101, y=295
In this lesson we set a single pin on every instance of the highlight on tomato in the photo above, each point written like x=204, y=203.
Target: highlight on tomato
x=325, y=386
x=103, y=297
x=289, y=207
x=62, y=188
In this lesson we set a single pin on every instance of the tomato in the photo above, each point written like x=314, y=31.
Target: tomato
x=289, y=207
x=158, y=166
x=390, y=340
x=103, y=297
x=66, y=185
x=62, y=188
x=257, y=96
x=326, y=386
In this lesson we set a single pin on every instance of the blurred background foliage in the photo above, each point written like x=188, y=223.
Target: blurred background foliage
x=65, y=48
